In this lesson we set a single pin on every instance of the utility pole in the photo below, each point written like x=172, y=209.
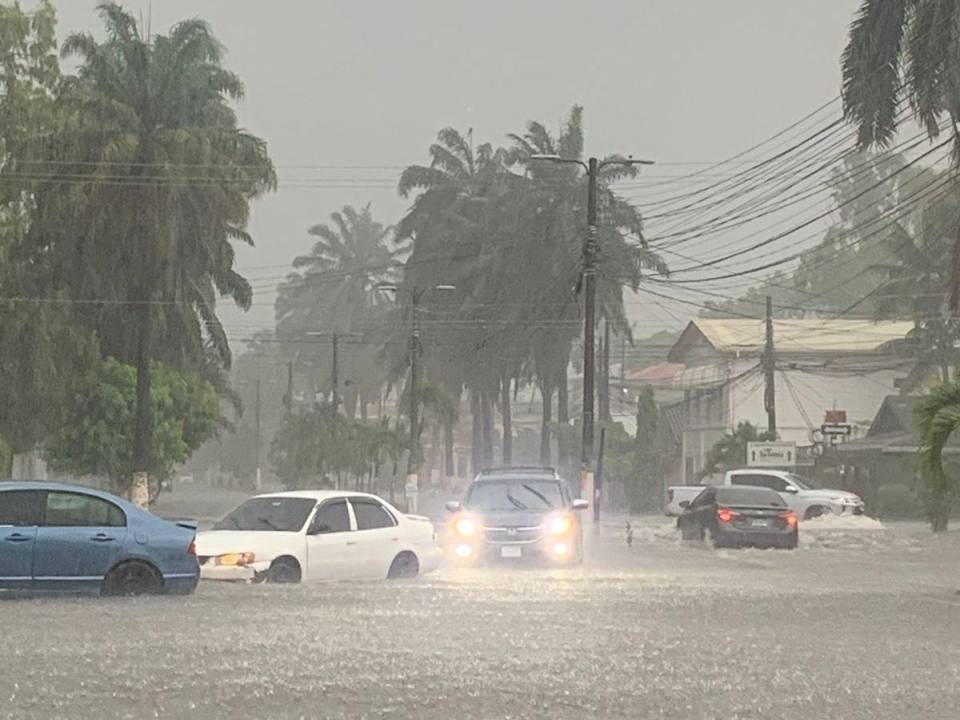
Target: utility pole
x=413, y=455
x=335, y=363
x=259, y=434
x=335, y=375
x=590, y=251
x=769, y=368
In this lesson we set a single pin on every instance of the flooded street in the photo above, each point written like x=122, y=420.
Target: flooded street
x=857, y=623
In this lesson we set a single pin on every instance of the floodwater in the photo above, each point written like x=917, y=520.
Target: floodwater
x=862, y=621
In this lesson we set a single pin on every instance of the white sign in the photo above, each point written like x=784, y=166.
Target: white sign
x=771, y=454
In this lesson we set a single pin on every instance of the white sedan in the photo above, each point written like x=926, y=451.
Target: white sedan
x=317, y=535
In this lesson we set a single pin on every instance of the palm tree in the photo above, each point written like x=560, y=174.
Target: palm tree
x=555, y=207
x=335, y=291
x=166, y=177
x=905, y=50
x=913, y=286
x=939, y=416
x=450, y=224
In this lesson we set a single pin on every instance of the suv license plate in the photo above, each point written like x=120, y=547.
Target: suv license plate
x=509, y=551
x=760, y=523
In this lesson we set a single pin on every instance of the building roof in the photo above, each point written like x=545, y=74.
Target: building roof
x=896, y=414
x=802, y=336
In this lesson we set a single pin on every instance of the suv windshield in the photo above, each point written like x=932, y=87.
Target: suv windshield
x=514, y=494
x=278, y=514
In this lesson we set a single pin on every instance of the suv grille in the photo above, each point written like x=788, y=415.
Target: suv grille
x=507, y=535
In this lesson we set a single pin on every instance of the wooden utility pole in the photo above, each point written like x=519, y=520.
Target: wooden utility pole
x=769, y=369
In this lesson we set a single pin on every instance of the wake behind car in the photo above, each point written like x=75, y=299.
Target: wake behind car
x=736, y=516
x=58, y=538
x=317, y=535
x=516, y=514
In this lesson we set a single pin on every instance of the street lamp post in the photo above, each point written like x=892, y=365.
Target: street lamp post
x=589, y=273
x=413, y=459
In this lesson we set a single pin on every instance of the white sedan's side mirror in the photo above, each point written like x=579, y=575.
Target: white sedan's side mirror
x=453, y=506
x=580, y=504
x=791, y=489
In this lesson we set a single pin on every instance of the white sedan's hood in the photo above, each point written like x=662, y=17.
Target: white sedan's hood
x=265, y=545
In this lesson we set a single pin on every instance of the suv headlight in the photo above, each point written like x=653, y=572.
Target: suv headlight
x=847, y=500
x=559, y=524
x=466, y=526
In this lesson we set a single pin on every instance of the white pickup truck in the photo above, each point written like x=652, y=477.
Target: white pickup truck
x=801, y=497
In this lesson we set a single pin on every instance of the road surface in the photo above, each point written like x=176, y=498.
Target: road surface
x=858, y=623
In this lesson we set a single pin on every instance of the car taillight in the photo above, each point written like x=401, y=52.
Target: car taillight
x=790, y=517
x=192, y=549
x=726, y=515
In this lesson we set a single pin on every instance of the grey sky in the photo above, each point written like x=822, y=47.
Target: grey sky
x=369, y=84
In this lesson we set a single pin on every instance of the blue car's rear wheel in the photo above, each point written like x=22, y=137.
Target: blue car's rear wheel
x=133, y=578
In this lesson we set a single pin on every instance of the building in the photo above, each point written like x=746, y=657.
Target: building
x=820, y=365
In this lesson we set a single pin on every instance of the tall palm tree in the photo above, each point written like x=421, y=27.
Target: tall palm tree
x=914, y=278
x=905, y=50
x=450, y=223
x=555, y=202
x=158, y=176
x=335, y=290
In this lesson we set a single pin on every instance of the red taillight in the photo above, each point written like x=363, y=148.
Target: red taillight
x=192, y=550
x=726, y=515
x=791, y=518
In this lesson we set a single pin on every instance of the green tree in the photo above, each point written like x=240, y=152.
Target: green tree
x=730, y=452
x=939, y=416
x=98, y=423
x=335, y=290
x=904, y=50
x=151, y=184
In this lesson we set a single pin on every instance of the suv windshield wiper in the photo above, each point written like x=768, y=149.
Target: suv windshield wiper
x=516, y=503
x=539, y=495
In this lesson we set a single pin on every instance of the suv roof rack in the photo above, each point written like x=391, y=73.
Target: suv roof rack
x=518, y=468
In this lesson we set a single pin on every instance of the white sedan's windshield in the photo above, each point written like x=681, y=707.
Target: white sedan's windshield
x=268, y=513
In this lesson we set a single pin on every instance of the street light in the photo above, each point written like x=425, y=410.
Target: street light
x=416, y=293
x=593, y=168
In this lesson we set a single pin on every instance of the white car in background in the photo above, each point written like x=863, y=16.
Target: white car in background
x=308, y=535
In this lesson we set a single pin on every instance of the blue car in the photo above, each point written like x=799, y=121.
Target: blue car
x=67, y=539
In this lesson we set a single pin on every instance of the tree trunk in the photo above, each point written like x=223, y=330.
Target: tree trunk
x=476, y=438
x=486, y=410
x=939, y=512
x=563, y=416
x=546, y=419
x=363, y=406
x=506, y=414
x=143, y=423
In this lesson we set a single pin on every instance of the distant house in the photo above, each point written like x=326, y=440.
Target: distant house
x=885, y=455
x=821, y=365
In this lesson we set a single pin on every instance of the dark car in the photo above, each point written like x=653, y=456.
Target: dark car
x=68, y=539
x=515, y=514
x=734, y=516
